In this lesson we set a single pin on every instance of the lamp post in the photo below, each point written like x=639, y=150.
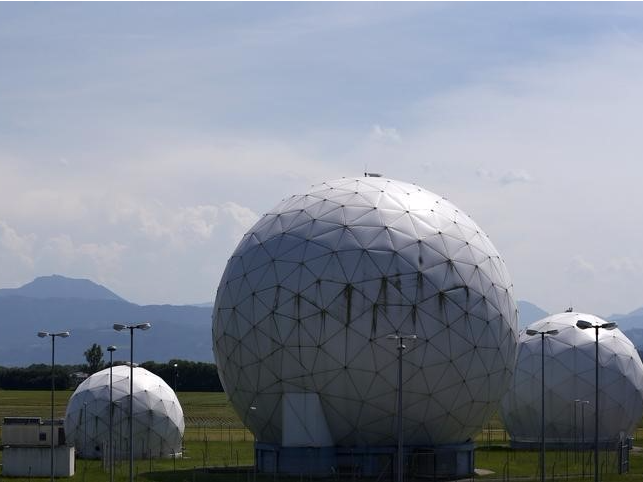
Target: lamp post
x=85, y=449
x=131, y=328
x=110, y=453
x=400, y=445
x=582, y=411
x=575, y=430
x=582, y=429
x=583, y=325
x=542, y=394
x=43, y=334
x=176, y=376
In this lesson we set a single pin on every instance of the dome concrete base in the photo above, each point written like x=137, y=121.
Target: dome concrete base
x=447, y=461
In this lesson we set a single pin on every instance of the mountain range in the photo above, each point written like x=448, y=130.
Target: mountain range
x=88, y=310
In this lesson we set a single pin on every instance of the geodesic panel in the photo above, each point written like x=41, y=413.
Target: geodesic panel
x=313, y=289
x=570, y=383
x=157, y=414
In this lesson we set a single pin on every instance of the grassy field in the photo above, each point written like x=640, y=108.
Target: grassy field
x=219, y=448
x=214, y=436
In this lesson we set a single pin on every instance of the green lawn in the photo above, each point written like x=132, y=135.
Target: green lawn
x=216, y=438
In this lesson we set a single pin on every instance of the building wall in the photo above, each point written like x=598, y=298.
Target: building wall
x=32, y=434
x=36, y=461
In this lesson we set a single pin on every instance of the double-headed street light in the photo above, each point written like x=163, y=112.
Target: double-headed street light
x=542, y=393
x=111, y=349
x=131, y=328
x=400, y=446
x=584, y=325
x=43, y=334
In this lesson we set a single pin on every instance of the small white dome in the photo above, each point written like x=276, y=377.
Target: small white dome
x=570, y=386
x=158, y=416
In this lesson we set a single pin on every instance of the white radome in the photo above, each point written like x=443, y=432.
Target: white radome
x=570, y=386
x=312, y=291
x=158, y=416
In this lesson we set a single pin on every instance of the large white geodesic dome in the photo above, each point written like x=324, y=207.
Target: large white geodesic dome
x=570, y=386
x=157, y=414
x=312, y=291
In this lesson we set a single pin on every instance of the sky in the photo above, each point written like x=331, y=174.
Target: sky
x=139, y=141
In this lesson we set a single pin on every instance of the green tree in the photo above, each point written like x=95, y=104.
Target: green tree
x=94, y=357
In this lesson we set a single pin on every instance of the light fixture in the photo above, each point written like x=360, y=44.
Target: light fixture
x=542, y=334
x=43, y=334
x=584, y=325
x=131, y=328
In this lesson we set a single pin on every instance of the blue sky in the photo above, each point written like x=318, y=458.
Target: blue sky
x=138, y=141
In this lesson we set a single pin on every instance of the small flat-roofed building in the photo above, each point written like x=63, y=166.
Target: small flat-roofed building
x=26, y=446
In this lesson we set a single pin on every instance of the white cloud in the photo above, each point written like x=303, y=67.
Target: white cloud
x=243, y=218
x=183, y=226
x=515, y=176
x=99, y=260
x=427, y=166
x=512, y=176
x=625, y=266
x=485, y=174
x=48, y=204
x=579, y=269
x=385, y=134
x=16, y=246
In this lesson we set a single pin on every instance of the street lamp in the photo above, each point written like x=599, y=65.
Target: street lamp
x=400, y=446
x=110, y=453
x=176, y=376
x=582, y=428
x=584, y=325
x=542, y=393
x=131, y=328
x=43, y=334
x=85, y=449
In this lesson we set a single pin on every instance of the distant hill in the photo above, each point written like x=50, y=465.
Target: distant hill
x=636, y=336
x=56, y=286
x=629, y=322
x=528, y=313
x=48, y=304
x=638, y=313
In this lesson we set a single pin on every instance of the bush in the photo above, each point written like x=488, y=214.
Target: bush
x=35, y=377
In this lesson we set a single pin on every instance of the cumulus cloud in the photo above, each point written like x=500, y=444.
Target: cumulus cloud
x=49, y=204
x=515, y=176
x=625, y=266
x=385, y=134
x=99, y=259
x=427, y=166
x=512, y=176
x=16, y=246
x=579, y=269
x=485, y=174
x=242, y=217
x=181, y=226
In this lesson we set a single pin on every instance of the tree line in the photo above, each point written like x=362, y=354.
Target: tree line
x=187, y=376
